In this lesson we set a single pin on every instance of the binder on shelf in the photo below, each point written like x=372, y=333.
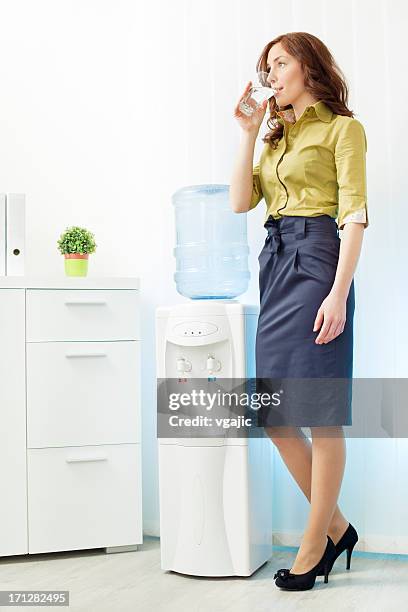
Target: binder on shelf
x=15, y=234
x=2, y=234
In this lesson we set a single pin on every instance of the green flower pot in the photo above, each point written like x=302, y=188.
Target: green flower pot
x=76, y=264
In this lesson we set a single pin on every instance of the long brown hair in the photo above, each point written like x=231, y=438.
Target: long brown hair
x=323, y=78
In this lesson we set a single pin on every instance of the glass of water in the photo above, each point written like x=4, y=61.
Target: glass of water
x=259, y=92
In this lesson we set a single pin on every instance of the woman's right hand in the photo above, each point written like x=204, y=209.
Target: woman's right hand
x=253, y=122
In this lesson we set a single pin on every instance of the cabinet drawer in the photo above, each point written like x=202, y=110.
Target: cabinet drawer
x=64, y=314
x=83, y=393
x=86, y=497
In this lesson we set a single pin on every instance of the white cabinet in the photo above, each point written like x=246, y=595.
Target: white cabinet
x=70, y=378
x=13, y=482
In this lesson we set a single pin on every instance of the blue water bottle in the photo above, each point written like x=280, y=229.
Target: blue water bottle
x=211, y=244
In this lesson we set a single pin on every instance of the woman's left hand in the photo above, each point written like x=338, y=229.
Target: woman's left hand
x=332, y=313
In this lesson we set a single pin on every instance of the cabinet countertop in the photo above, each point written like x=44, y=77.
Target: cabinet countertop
x=69, y=282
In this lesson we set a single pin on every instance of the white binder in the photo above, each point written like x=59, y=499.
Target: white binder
x=15, y=234
x=2, y=234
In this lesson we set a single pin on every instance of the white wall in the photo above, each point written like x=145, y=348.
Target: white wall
x=109, y=106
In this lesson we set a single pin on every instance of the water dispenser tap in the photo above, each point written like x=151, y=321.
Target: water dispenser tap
x=213, y=365
x=183, y=365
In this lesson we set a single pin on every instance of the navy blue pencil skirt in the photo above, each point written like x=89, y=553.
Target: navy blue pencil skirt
x=297, y=267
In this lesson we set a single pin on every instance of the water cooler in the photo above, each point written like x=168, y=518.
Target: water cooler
x=215, y=492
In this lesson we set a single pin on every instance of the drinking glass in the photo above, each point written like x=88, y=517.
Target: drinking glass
x=259, y=92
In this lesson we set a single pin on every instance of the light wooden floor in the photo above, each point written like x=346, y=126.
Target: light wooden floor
x=134, y=581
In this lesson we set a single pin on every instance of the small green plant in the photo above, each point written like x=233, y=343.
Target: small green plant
x=76, y=240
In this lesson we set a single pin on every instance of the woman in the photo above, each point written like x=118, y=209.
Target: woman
x=310, y=173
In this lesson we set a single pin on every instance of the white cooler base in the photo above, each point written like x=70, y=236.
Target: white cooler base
x=215, y=506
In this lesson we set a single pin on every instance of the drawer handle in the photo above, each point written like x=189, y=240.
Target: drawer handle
x=92, y=302
x=85, y=355
x=82, y=459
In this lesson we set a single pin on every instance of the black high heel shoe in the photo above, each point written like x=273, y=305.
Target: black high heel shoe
x=302, y=582
x=347, y=542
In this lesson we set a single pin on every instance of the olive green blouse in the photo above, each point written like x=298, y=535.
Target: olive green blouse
x=318, y=167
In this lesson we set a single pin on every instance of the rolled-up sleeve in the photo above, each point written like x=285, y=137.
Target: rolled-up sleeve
x=257, y=194
x=350, y=158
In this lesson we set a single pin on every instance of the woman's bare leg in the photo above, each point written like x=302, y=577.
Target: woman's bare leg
x=296, y=452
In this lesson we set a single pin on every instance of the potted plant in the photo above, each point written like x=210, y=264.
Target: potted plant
x=75, y=244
